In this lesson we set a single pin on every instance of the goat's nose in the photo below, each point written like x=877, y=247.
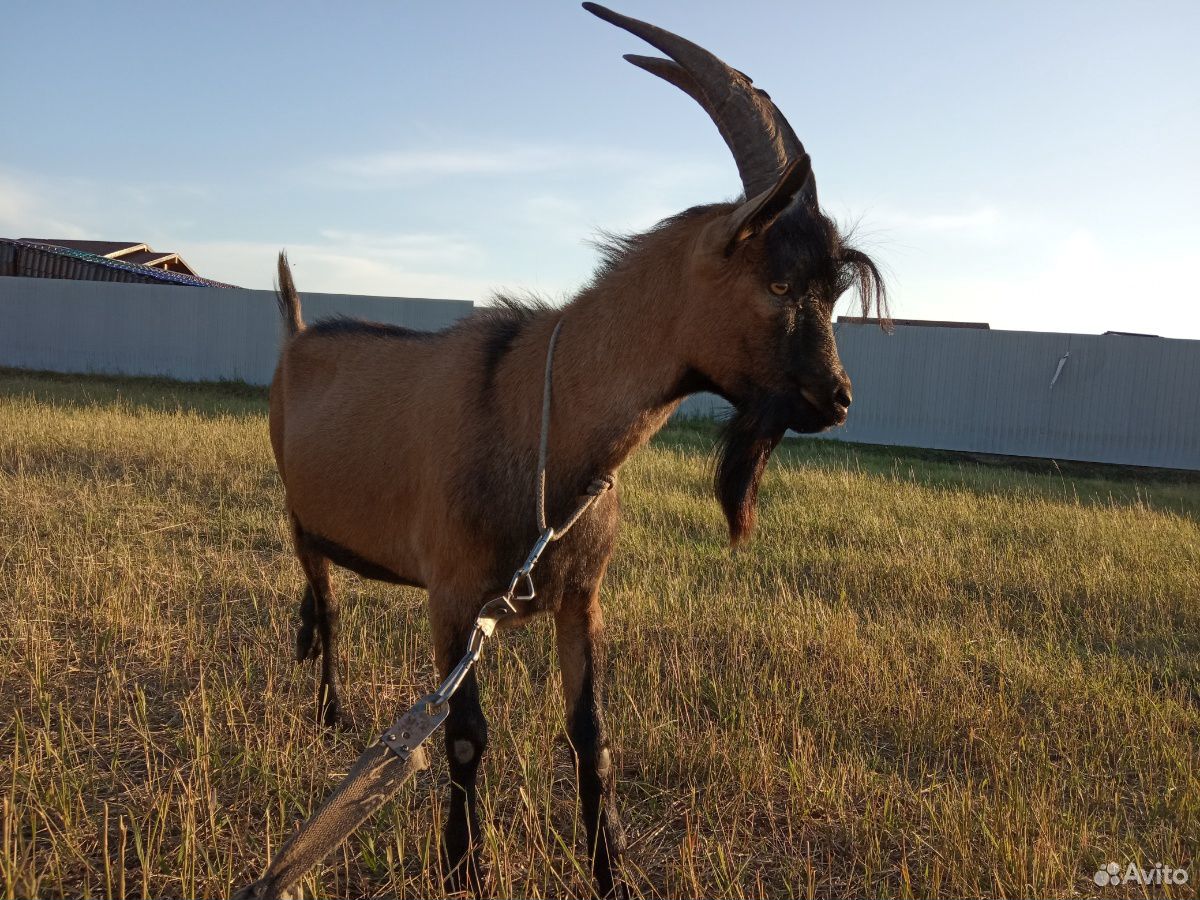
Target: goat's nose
x=841, y=394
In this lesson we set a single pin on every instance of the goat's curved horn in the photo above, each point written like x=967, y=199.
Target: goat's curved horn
x=679, y=76
x=756, y=132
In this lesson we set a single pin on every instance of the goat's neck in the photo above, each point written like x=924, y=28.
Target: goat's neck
x=619, y=367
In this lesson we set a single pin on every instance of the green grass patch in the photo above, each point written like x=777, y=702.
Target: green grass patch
x=927, y=675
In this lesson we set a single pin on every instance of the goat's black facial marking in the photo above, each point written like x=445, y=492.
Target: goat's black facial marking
x=806, y=253
x=806, y=265
x=801, y=254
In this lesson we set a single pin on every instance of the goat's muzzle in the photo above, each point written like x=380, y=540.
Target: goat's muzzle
x=822, y=404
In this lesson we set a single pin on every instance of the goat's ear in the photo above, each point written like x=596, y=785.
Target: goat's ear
x=758, y=214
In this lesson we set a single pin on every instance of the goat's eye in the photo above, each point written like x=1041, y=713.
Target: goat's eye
x=779, y=288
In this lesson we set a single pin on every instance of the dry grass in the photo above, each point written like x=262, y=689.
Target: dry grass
x=924, y=677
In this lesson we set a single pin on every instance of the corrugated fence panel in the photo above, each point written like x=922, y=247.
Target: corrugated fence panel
x=190, y=333
x=1120, y=399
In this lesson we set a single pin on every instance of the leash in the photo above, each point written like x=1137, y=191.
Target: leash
x=384, y=766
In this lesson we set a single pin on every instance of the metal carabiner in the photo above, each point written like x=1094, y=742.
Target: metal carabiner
x=520, y=590
x=535, y=554
x=523, y=590
x=521, y=587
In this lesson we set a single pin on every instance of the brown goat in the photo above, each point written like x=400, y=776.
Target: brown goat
x=410, y=457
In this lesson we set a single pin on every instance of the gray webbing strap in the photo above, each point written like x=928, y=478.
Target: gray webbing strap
x=375, y=777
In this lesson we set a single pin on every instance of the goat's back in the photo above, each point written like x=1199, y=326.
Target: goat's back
x=372, y=427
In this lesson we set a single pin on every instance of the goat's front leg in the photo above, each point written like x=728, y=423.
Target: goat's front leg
x=466, y=741
x=579, y=628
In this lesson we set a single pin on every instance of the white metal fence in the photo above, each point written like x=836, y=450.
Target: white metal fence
x=1110, y=398
x=1116, y=398
x=189, y=333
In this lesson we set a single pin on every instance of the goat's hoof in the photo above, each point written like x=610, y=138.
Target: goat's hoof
x=339, y=722
x=608, y=884
x=308, y=643
x=466, y=877
x=328, y=708
x=463, y=871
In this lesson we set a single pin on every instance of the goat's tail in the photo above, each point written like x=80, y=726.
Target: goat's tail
x=287, y=298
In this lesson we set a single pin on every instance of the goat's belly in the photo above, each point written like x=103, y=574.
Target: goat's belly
x=364, y=483
x=360, y=565
x=368, y=560
x=359, y=530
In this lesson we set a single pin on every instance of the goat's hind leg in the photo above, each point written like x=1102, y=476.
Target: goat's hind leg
x=316, y=635
x=308, y=640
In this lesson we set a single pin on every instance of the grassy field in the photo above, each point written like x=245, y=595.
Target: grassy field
x=924, y=677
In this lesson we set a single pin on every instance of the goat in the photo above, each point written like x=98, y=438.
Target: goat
x=410, y=457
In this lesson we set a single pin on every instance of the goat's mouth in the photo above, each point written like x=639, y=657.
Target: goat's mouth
x=808, y=416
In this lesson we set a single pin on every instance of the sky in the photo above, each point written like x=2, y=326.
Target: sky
x=1028, y=164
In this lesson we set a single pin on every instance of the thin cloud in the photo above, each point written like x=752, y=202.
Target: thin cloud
x=400, y=166
x=410, y=248
x=985, y=218
x=74, y=207
x=347, y=263
x=408, y=164
x=26, y=211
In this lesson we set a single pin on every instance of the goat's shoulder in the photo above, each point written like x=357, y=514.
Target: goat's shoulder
x=494, y=331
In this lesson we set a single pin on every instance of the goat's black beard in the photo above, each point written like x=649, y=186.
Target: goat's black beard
x=743, y=448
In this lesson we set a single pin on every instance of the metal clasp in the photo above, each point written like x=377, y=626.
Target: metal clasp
x=411, y=729
x=535, y=554
x=408, y=732
x=521, y=587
